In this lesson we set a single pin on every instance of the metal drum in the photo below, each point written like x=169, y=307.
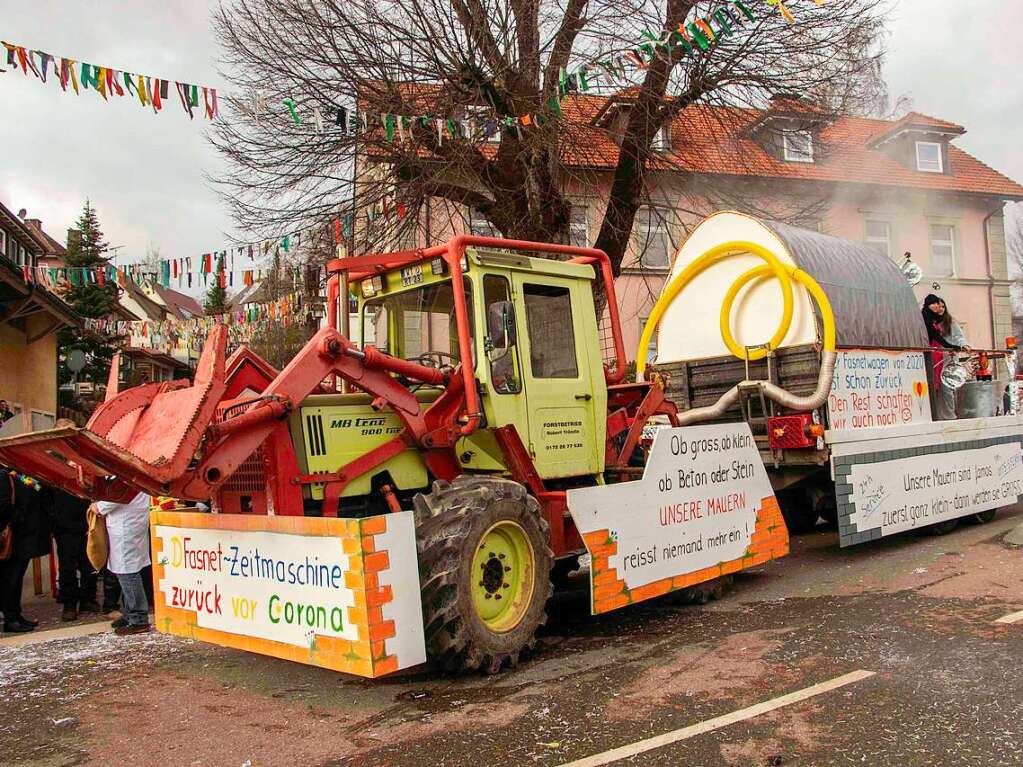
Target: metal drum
x=980, y=399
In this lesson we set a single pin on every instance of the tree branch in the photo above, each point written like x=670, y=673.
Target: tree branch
x=473, y=17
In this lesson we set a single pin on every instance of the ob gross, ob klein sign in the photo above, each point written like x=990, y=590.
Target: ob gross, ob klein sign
x=704, y=506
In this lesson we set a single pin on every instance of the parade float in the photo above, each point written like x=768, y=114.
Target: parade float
x=843, y=403
x=414, y=489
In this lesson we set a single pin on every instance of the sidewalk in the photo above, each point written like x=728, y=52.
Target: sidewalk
x=47, y=611
x=1014, y=537
x=48, y=635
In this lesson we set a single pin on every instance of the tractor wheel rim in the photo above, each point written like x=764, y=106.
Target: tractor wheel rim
x=503, y=576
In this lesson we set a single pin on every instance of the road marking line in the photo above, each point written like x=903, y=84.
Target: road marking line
x=49, y=635
x=624, y=752
x=1011, y=618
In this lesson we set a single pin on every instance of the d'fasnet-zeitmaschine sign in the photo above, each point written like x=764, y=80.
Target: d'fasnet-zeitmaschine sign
x=704, y=508
x=337, y=593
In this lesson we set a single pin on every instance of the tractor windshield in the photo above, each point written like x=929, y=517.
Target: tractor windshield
x=417, y=324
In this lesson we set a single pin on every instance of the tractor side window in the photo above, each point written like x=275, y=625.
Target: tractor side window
x=551, y=335
x=504, y=359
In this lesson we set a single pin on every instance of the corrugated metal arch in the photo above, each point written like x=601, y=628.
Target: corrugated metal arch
x=873, y=303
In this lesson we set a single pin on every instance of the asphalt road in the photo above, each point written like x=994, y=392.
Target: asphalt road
x=943, y=682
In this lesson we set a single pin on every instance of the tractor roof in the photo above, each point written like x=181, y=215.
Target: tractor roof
x=507, y=259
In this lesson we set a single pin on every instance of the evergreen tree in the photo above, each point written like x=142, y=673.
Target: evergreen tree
x=86, y=249
x=216, y=296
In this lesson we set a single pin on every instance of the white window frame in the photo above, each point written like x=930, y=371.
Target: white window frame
x=661, y=142
x=584, y=206
x=795, y=156
x=951, y=243
x=651, y=348
x=3, y=243
x=941, y=157
x=887, y=241
x=643, y=229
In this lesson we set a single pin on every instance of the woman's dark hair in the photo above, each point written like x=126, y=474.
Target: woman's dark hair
x=944, y=321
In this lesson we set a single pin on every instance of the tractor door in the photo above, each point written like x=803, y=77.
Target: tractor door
x=557, y=377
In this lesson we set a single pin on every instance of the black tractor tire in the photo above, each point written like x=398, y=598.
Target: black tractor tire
x=451, y=522
x=942, y=528
x=983, y=517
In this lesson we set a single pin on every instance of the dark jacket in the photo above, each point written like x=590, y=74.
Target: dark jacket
x=6, y=499
x=67, y=512
x=28, y=519
x=936, y=325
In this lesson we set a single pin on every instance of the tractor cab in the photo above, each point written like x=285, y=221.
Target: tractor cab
x=532, y=349
x=532, y=333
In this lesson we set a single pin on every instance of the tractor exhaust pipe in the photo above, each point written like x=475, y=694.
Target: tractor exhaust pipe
x=783, y=397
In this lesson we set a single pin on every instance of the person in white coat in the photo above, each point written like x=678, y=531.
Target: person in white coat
x=128, y=530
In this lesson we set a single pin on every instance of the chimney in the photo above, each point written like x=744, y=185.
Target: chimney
x=35, y=223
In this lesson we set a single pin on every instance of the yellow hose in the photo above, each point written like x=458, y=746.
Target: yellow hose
x=783, y=272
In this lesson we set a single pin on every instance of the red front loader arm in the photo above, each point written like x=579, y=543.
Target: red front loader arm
x=162, y=439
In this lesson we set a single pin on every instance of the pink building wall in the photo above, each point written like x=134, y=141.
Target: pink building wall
x=976, y=295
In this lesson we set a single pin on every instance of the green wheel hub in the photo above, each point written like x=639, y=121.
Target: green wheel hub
x=503, y=576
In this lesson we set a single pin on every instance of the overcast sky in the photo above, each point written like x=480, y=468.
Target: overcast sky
x=144, y=173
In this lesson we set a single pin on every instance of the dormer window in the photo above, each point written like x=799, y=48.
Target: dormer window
x=928, y=157
x=798, y=146
x=662, y=139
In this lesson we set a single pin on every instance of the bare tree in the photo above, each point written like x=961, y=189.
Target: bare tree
x=1014, y=239
x=151, y=262
x=494, y=59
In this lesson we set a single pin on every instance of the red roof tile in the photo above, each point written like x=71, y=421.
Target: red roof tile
x=713, y=140
x=53, y=248
x=180, y=305
x=718, y=140
x=915, y=121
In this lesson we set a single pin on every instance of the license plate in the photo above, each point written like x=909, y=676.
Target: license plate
x=411, y=275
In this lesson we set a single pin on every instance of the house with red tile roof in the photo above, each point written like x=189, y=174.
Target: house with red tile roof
x=53, y=252
x=30, y=317
x=900, y=186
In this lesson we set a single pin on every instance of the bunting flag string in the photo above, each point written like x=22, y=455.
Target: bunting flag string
x=695, y=37
x=170, y=335
x=108, y=82
x=243, y=264
x=170, y=273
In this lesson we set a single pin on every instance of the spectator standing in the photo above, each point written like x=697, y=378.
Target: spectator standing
x=128, y=530
x=21, y=508
x=5, y=412
x=944, y=335
x=77, y=581
x=111, y=591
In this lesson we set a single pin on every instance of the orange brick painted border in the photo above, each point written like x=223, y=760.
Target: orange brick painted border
x=366, y=656
x=770, y=540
